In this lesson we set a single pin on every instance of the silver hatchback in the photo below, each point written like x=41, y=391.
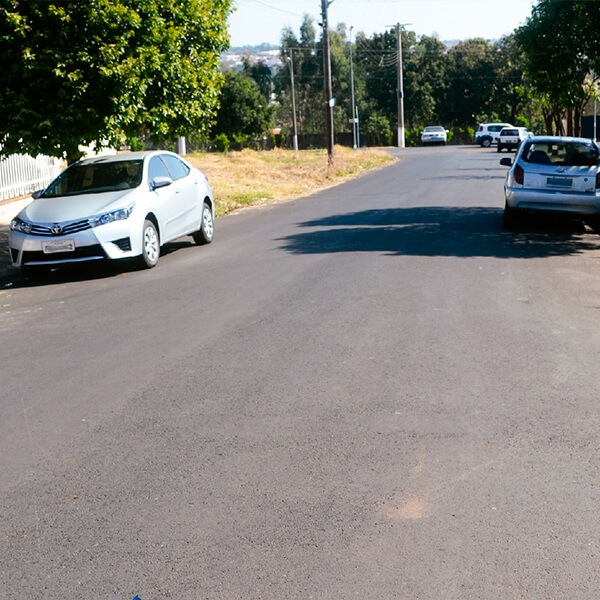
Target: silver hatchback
x=554, y=174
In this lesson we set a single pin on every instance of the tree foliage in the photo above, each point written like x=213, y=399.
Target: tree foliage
x=244, y=111
x=94, y=71
x=560, y=43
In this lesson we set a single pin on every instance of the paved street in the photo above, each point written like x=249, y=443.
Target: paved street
x=371, y=393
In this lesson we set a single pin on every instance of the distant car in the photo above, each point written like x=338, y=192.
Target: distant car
x=511, y=137
x=113, y=207
x=434, y=134
x=554, y=175
x=488, y=133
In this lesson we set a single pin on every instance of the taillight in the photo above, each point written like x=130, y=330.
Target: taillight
x=520, y=175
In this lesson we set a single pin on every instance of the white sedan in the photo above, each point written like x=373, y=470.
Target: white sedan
x=434, y=134
x=113, y=207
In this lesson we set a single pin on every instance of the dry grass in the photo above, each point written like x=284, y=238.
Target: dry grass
x=249, y=177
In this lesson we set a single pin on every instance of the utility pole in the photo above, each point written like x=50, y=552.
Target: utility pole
x=352, y=88
x=329, y=100
x=295, y=139
x=400, y=92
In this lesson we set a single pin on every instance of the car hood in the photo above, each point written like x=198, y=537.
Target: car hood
x=73, y=208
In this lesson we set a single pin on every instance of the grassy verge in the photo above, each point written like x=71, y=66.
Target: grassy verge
x=248, y=178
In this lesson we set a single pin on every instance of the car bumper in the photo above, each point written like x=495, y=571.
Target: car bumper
x=110, y=241
x=433, y=140
x=551, y=201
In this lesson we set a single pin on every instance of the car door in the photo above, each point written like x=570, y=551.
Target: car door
x=186, y=187
x=169, y=203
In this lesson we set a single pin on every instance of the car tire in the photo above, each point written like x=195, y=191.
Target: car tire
x=486, y=142
x=509, y=219
x=499, y=148
x=150, y=245
x=204, y=235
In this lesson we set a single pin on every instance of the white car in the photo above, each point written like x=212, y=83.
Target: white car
x=434, y=134
x=554, y=175
x=511, y=137
x=488, y=133
x=113, y=207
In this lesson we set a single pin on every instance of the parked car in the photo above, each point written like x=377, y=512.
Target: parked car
x=488, y=133
x=511, y=137
x=434, y=134
x=554, y=174
x=113, y=207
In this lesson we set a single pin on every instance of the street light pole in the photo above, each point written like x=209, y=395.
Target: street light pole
x=352, y=88
x=329, y=100
x=400, y=92
x=295, y=138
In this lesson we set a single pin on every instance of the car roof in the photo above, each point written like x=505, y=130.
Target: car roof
x=124, y=156
x=559, y=138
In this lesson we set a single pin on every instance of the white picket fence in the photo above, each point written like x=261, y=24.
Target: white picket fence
x=20, y=175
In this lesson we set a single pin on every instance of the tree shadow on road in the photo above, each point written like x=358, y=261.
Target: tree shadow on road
x=441, y=231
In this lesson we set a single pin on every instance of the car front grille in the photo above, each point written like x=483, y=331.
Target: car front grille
x=94, y=252
x=67, y=228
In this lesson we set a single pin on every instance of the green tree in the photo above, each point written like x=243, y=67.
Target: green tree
x=244, y=111
x=560, y=44
x=96, y=71
x=472, y=83
x=261, y=73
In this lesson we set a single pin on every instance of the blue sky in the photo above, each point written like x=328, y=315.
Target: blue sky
x=258, y=21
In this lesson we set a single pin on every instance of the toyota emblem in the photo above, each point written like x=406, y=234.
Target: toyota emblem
x=56, y=229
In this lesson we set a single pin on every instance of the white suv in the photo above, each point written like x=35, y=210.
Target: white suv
x=488, y=133
x=511, y=138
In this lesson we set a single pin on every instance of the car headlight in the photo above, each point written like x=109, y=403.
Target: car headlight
x=114, y=215
x=20, y=225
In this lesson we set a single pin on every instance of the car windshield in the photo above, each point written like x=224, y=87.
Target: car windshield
x=433, y=129
x=97, y=177
x=562, y=153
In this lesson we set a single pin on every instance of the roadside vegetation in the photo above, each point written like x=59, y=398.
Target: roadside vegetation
x=249, y=177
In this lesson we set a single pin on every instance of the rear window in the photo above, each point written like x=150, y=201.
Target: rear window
x=567, y=153
x=509, y=132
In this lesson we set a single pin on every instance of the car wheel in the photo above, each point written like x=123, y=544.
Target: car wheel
x=150, y=245
x=204, y=235
x=499, y=148
x=509, y=219
x=486, y=142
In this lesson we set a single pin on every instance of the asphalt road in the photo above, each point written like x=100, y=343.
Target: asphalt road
x=370, y=393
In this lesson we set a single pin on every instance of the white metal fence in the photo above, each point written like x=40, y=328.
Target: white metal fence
x=21, y=175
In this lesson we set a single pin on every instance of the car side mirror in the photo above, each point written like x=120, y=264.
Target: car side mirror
x=37, y=194
x=160, y=182
x=506, y=162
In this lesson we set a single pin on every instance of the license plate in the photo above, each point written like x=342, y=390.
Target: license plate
x=58, y=246
x=562, y=182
